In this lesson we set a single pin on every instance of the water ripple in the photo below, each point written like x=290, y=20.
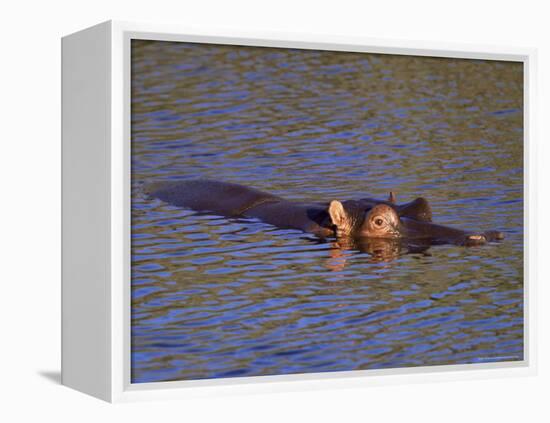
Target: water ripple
x=215, y=297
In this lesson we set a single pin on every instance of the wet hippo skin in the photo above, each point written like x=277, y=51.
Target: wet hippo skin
x=366, y=217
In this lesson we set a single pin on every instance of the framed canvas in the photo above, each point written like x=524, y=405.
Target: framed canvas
x=264, y=212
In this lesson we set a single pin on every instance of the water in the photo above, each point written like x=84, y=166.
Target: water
x=215, y=297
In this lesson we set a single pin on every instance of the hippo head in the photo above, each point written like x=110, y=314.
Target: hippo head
x=352, y=220
x=418, y=209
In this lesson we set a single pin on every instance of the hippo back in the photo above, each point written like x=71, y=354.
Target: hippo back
x=222, y=198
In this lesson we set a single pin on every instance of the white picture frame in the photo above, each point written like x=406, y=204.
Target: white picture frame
x=96, y=226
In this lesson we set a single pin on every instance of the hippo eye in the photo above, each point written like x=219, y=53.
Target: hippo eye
x=379, y=221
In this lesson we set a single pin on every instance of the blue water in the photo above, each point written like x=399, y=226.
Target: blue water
x=215, y=297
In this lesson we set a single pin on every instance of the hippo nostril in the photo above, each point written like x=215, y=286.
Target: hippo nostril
x=476, y=239
x=494, y=235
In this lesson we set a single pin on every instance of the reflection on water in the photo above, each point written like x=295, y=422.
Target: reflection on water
x=215, y=297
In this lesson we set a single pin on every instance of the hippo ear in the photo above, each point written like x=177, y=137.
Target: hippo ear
x=392, y=199
x=337, y=213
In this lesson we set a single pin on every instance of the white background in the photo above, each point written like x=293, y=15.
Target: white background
x=30, y=207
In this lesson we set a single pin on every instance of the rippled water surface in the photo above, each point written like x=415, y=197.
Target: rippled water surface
x=215, y=297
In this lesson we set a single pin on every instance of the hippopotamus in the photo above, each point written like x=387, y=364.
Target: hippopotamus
x=365, y=218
